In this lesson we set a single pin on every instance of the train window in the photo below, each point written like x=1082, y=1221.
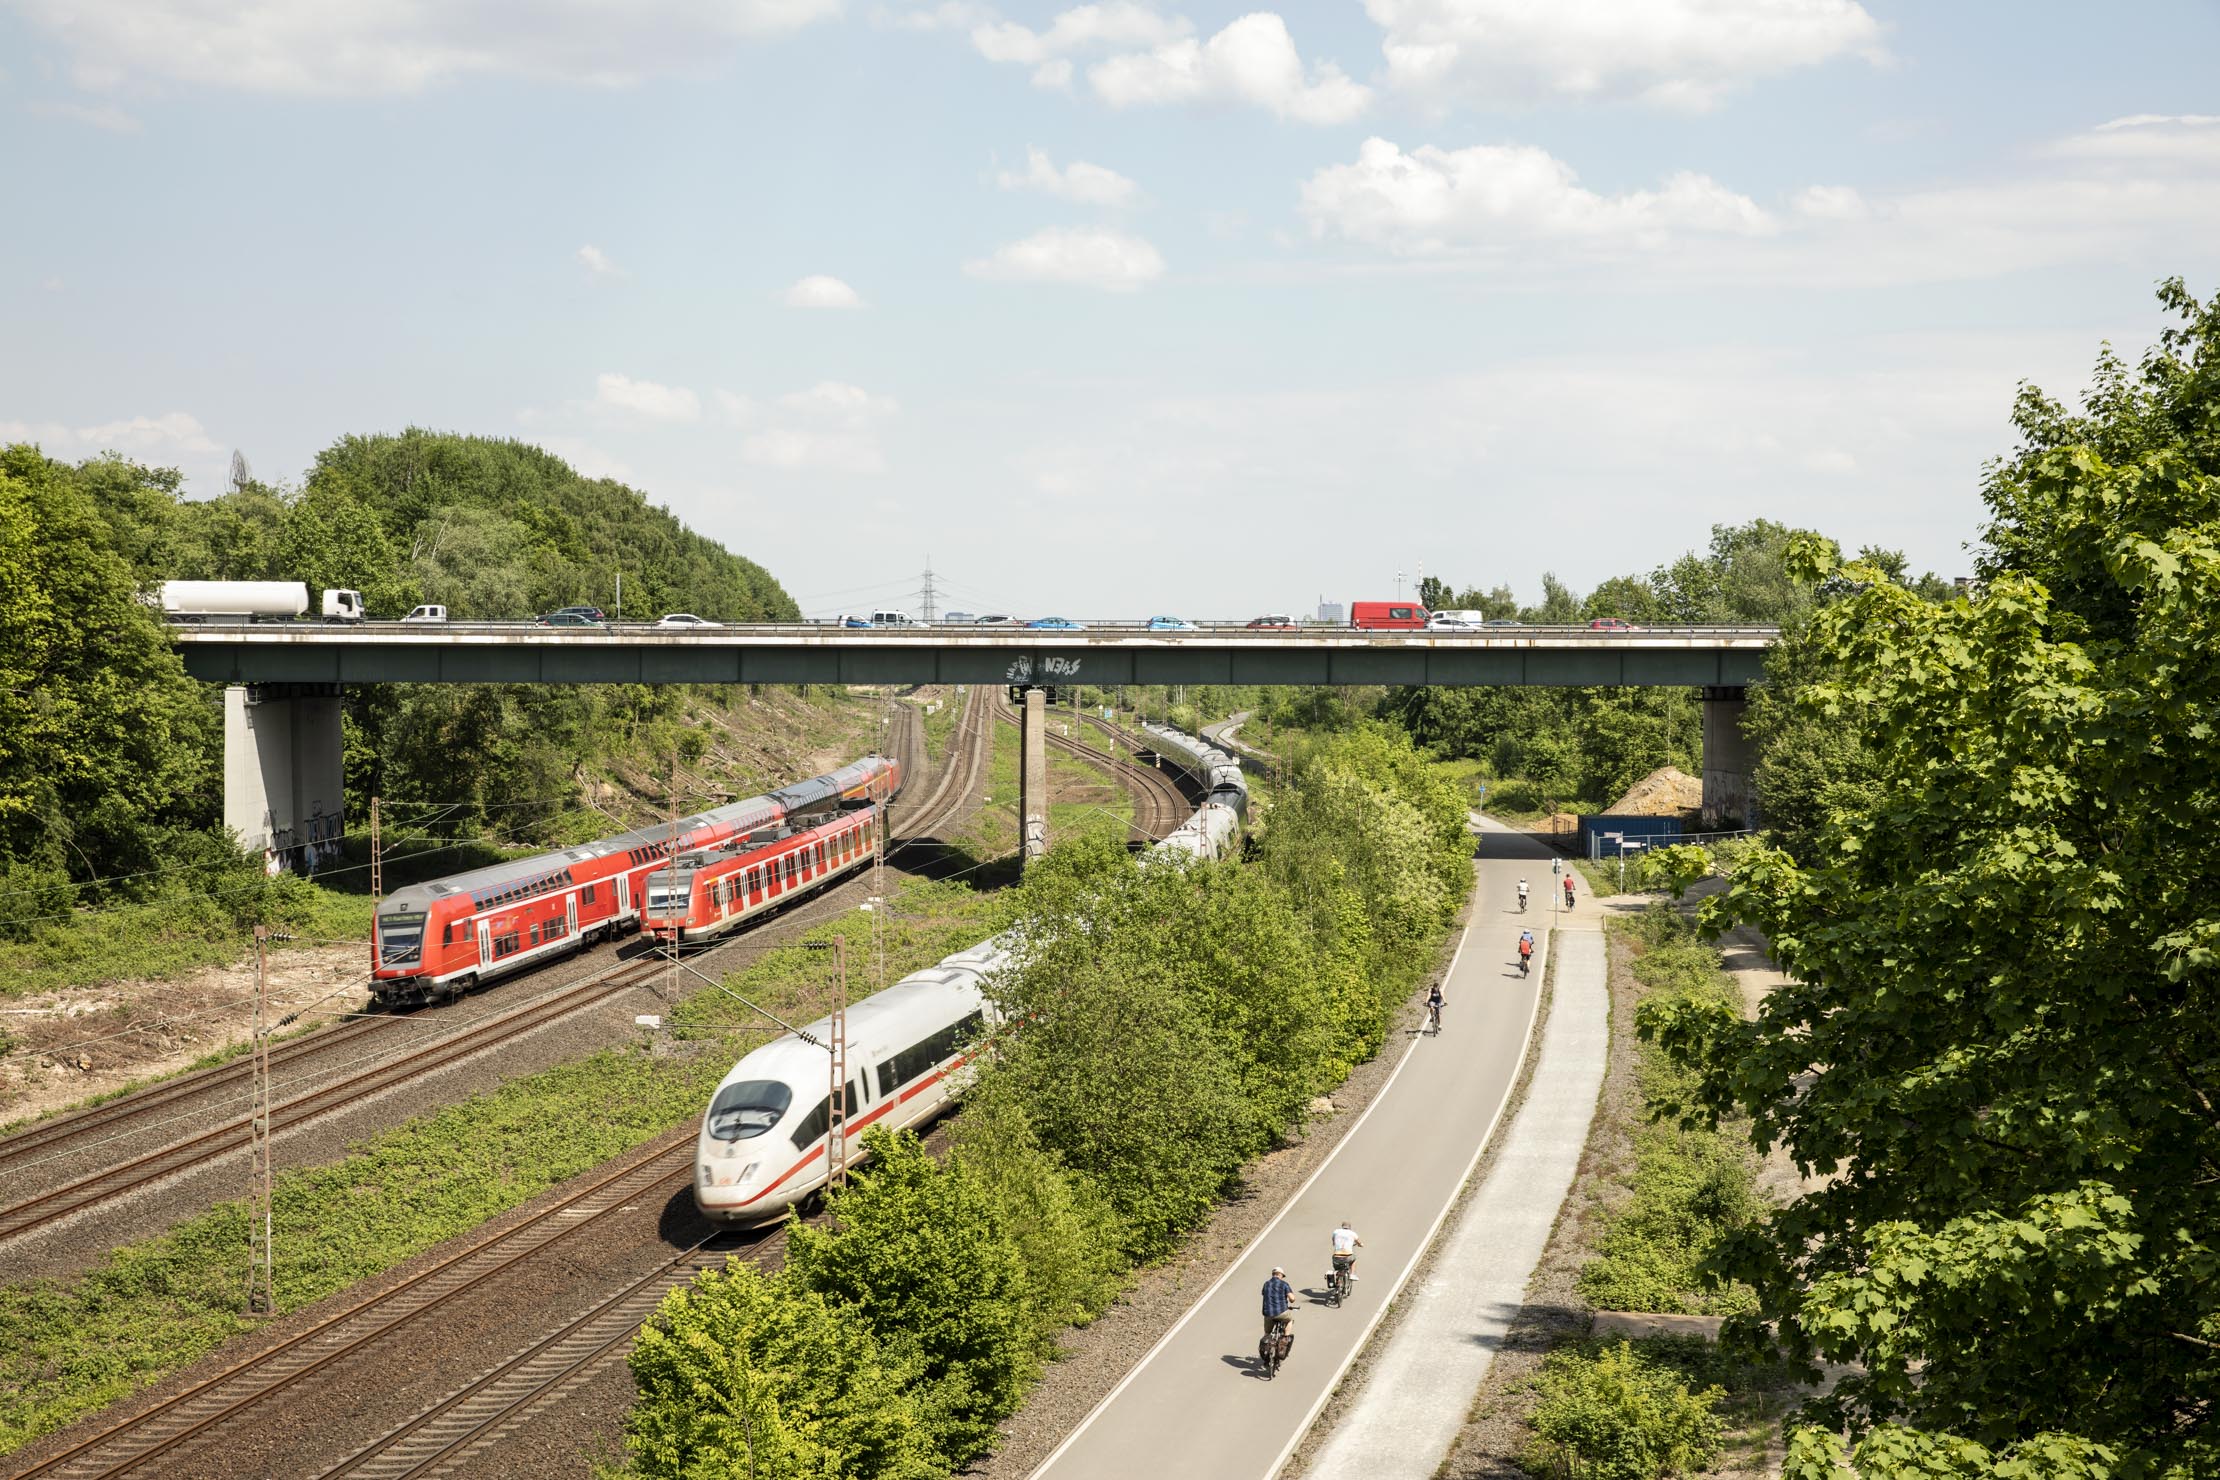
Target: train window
x=745, y=1110
x=535, y=935
x=819, y=1121
x=400, y=936
x=589, y=894
x=921, y=1058
x=447, y=934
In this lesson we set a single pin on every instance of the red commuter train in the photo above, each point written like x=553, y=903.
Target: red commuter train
x=705, y=892
x=438, y=939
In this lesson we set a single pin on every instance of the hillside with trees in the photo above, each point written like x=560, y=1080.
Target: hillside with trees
x=111, y=757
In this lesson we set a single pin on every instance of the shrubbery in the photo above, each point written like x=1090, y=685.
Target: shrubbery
x=1618, y=1414
x=1693, y=1187
x=1164, y=1024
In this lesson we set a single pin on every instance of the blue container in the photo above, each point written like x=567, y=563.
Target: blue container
x=1650, y=832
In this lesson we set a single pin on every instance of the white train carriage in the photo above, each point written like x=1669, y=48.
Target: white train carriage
x=761, y=1148
x=762, y=1145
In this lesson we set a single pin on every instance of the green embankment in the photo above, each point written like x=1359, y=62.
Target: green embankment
x=68, y=1347
x=1165, y=1025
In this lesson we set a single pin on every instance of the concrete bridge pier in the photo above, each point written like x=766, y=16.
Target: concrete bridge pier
x=1728, y=758
x=284, y=772
x=1033, y=775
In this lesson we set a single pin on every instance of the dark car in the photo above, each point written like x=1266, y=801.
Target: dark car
x=1274, y=623
x=1612, y=624
x=590, y=613
x=568, y=619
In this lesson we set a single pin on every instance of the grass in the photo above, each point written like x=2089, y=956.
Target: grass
x=166, y=937
x=70, y=1346
x=940, y=724
x=993, y=831
x=1690, y=1187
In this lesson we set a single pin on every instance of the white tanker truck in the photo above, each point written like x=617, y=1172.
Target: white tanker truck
x=253, y=601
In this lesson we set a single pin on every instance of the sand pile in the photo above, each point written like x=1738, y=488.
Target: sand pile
x=1667, y=791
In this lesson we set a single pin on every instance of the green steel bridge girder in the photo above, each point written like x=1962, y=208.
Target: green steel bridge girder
x=1602, y=663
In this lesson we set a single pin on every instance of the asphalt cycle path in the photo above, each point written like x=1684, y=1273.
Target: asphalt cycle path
x=1197, y=1405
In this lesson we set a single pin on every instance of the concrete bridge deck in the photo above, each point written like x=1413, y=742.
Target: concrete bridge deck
x=390, y=652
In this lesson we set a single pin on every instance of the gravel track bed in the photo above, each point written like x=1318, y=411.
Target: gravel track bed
x=81, y=1240
x=1095, y=1357
x=324, y=1419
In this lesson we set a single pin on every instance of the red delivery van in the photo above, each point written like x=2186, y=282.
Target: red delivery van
x=1388, y=616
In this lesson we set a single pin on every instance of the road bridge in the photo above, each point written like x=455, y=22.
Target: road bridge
x=281, y=745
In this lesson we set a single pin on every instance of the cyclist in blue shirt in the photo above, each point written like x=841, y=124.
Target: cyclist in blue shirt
x=1279, y=1298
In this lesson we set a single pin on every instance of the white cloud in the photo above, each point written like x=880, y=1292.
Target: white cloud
x=2150, y=138
x=1253, y=61
x=101, y=116
x=1435, y=200
x=646, y=398
x=589, y=460
x=598, y=262
x=1685, y=54
x=1830, y=203
x=831, y=427
x=1089, y=184
x=363, y=47
x=1086, y=256
x=2139, y=207
x=174, y=439
x=1082, y=28
x=820, y=291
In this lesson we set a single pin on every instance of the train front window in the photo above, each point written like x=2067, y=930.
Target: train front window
x=745, y=1110
x=400, y=937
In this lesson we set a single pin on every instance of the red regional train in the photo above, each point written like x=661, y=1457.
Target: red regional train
x=438, y=939
x=705, y=892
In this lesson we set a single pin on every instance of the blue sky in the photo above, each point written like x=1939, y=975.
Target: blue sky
x=1116, y=308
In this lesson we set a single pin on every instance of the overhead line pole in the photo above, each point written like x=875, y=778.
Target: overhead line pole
x=261, y=1221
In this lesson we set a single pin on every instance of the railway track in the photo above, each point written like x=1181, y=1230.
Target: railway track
x=158, y=1431
x=1159, y=804
x=476, y=1414
x=345, y=1045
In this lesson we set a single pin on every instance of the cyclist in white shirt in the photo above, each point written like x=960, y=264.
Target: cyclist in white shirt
x=1346, y=1244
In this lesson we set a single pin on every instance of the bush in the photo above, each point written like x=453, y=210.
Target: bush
x=745, y=1374
x=1615, y=1414
x=917, y=1250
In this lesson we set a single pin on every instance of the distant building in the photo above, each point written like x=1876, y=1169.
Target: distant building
x=1331, y=612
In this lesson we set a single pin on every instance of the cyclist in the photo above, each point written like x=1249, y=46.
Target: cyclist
x=1526, y=950
x=1279, y=1304
x=1522, y=896
x=1433, y=1006
x=1346, y=1243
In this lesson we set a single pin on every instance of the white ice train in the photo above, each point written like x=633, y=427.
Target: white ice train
x=762, y=1145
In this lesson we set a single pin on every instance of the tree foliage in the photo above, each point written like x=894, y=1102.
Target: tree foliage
x=2002, y=1038
x=105, y=744
x=741, y=1374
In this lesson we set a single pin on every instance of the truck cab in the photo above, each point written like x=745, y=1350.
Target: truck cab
x=343, y=606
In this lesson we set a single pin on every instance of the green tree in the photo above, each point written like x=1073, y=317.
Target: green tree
x=919, y=1251
x=2001, y=1034
x=105, y=744
x=742, y=1374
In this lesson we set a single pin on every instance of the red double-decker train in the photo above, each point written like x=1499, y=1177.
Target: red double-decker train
x=438, y=939
x=705, y=892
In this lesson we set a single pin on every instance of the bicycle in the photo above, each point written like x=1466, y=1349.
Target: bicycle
x=1525, y=962
x=1433, y=1019
x=1273, y=1346
x=1337, y=1280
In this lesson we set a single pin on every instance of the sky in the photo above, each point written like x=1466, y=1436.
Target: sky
x=1122, y=308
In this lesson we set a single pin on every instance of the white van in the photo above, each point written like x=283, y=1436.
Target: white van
x=892, y=619
x=427, y=614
